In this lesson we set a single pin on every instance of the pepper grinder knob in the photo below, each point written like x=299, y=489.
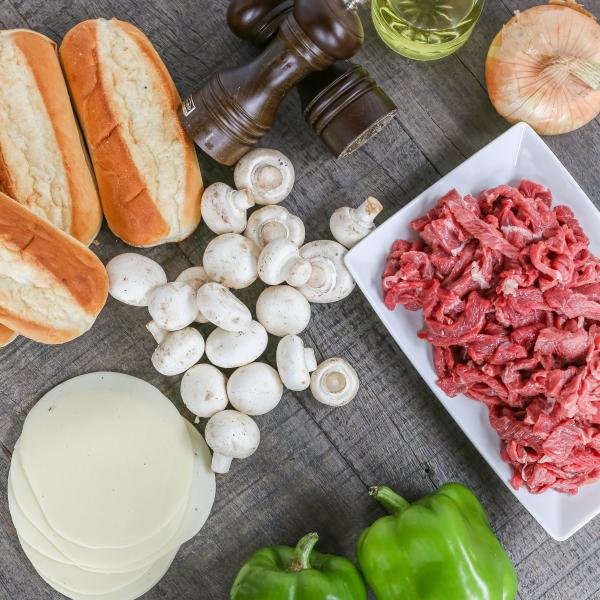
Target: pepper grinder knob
x=342, y=104
x=236, y=107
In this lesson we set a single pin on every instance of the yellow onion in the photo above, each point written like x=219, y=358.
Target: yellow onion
x=543, y=68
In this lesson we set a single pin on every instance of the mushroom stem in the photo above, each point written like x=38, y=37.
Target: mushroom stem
x=368, y=210
x=158, y=333
x=242, y=199
x=273, y=230
x=320, y=275
x=268, y=176
x=310, y=359
x=221, y=463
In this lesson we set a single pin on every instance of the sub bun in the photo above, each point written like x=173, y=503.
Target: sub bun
x=6, y=336
x=146, y=167
x=43, y=161
x=52, y=287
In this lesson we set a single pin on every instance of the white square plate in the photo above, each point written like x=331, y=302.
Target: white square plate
x=519, y=153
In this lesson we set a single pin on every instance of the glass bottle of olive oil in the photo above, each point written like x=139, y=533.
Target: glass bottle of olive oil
x=425, y=29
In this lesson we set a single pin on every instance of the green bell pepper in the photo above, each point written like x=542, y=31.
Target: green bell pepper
x=438, y=548
x=284, y=573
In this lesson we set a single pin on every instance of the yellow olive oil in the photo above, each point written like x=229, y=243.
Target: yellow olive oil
x=425, y=29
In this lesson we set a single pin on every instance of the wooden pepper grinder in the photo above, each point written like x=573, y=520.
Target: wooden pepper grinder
x=342, y=104
x=236, y=107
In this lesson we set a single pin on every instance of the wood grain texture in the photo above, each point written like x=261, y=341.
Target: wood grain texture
x=315, y=463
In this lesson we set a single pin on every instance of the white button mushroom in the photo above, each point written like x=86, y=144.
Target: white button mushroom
x=283, y=310
x=231, y=259
x=203, y=391
x=267, y=174
x=195, y=277
x=173, y=305
x=230, y=350
x=350, y=225
x=231, y=434
x=280, y=261
x=177, y=351
x=254, y=389
x=295, y=363
x=335, y=382
x=224, y=209
x=271, y=223
x=330, y=280
x=132, y=277
x=222, y=308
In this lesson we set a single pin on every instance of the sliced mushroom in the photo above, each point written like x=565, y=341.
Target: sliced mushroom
x=224, y=209
x=231, y=259
x=196, y=277
x=350, y=225
x=330, y=280
x=173, y=305
x=295, y=363
x=177, y=351
x=254, y=389
x=231, y=434
x=222, y=308
x=267, y=174
x=280, y=261
x=230, y=350
x=335, y=382
x=283, y=310
x=132, y=277
x=271, y=223
x=203, y=391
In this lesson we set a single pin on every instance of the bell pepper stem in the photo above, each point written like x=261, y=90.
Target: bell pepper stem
x=392, y=502
x=304, y=548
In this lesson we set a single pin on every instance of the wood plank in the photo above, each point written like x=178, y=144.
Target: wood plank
x=314, y=463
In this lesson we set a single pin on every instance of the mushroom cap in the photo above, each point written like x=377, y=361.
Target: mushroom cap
x=283, y=310
x=179, y=351
x=233, y=434
x=132, y=277
x=173, y=305
x=350, y=225
x=271, y=223
x=330, y=280
x=335, y=382
x=267, y=174
x=230, y=350
x=196, y=277
x=280, y=261
x=255, y=389
x=232, y=260
x=222, y=308
x=224, y=209
x=203, y=390
x=295, y=363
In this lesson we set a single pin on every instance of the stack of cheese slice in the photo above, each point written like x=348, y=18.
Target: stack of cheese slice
x=107, y=481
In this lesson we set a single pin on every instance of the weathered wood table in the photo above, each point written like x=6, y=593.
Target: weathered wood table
x=315, y=464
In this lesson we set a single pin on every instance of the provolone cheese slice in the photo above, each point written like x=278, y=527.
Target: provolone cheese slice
x=46, y=542
x=79, y=581
x=108, y=459
x=131, y=591
x=54, y=546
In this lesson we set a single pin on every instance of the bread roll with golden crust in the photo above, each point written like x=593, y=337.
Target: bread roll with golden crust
x=6, y=336
x=43, y=160
x=146, y=167
x=52, y=287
